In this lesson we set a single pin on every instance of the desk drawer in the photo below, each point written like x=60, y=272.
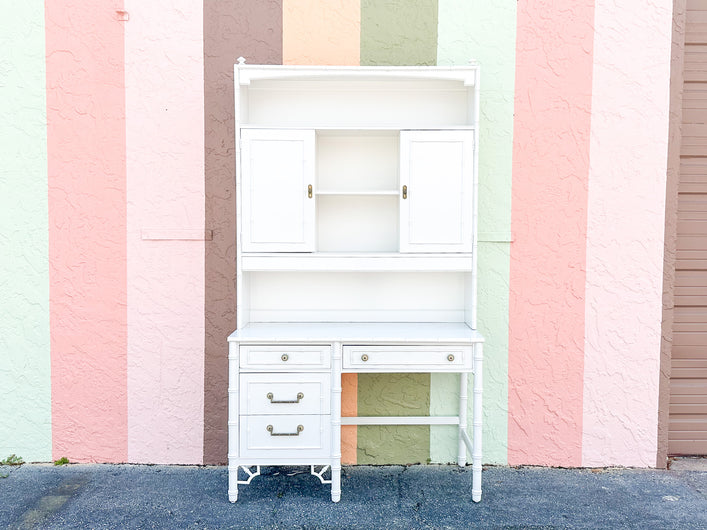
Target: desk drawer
x=277, y=393
x=284, y=358
x=433, y=358
x=285, y=436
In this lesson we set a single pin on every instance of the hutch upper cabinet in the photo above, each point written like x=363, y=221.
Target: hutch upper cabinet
x=360, y=180
x=356, y=252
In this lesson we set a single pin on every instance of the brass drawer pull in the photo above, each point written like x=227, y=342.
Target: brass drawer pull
x=450, y=357
x=269, y=395
x=364, y=357
x=300, y=428
x=285, y=357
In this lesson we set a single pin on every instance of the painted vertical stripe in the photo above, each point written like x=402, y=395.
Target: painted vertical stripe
x=349, y=407
x=398, y=32
x=321, y=32
x=232, y=28
x=164, y=74
x=25, y=385
x=549, y=222
x=625, y=232
x=324, y=32
x=87, y=220
x=393, y=395
x=484, y=32
x=395, y=32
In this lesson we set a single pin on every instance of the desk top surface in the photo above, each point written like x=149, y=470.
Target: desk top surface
x=358, y=332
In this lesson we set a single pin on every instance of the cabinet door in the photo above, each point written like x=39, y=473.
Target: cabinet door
x=436, y=212
x=277, y=169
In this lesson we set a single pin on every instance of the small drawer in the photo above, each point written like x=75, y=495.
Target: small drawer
x=367, y=358
x=299, y=393
x=285, y=436
x=285, y=358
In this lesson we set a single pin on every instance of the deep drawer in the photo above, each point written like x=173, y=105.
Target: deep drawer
x=285, y=358
x=285, y=436
x=367, y=358
x=276, y=393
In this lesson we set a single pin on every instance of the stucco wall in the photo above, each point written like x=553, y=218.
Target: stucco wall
x=25, y=398
x=125, y=231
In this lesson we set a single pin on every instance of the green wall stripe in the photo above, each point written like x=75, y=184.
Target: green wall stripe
x=485, y=32
x=25, y=391
x=393, y=395
x=398, y=32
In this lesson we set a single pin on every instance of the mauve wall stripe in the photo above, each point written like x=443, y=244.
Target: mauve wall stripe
x=232, y=28
x=549, y=223
x=87, y=229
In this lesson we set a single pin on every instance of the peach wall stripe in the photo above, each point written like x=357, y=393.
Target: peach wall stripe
x=325, y=32
x=549, y=225
x=164, y=74
x=321, y=32
x=349, y=407
x=628, y=168
x=87, y=220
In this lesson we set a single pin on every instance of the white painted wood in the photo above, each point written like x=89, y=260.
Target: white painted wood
x=404, y=333
x=248, y=73
x=357, y=161
x=476, y=454
x=433, y=358
x=356, y=193
x=436, y=167
x=400, y=420
x=233, y=417
x=356, y=296
x=285, y=358
x=339, y=104
x=336, y=423
x=353, y=315
x=285, y=393
x=359, y=262
x=357, y=223
x=285, y=441
x=355, y=270
x=277, y=167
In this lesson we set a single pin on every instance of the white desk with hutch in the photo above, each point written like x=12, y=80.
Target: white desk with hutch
x=356, y=253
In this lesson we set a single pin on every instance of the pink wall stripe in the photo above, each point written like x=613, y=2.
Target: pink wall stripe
x=549, y=224
x=87, y=217
x=165, y=161
x=625, y=232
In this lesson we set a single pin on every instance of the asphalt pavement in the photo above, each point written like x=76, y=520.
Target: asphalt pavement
x=418, y=496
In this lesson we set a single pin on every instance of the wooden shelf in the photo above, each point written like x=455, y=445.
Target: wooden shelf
x=356, y=262
x=357, y=192
x=358, y=332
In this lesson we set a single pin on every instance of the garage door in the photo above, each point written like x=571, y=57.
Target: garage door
x=688, y=380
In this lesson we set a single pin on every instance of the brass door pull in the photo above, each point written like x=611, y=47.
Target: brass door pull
x=269, y=428
x=270, y=396
x=405, y=192
x=309, y=191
